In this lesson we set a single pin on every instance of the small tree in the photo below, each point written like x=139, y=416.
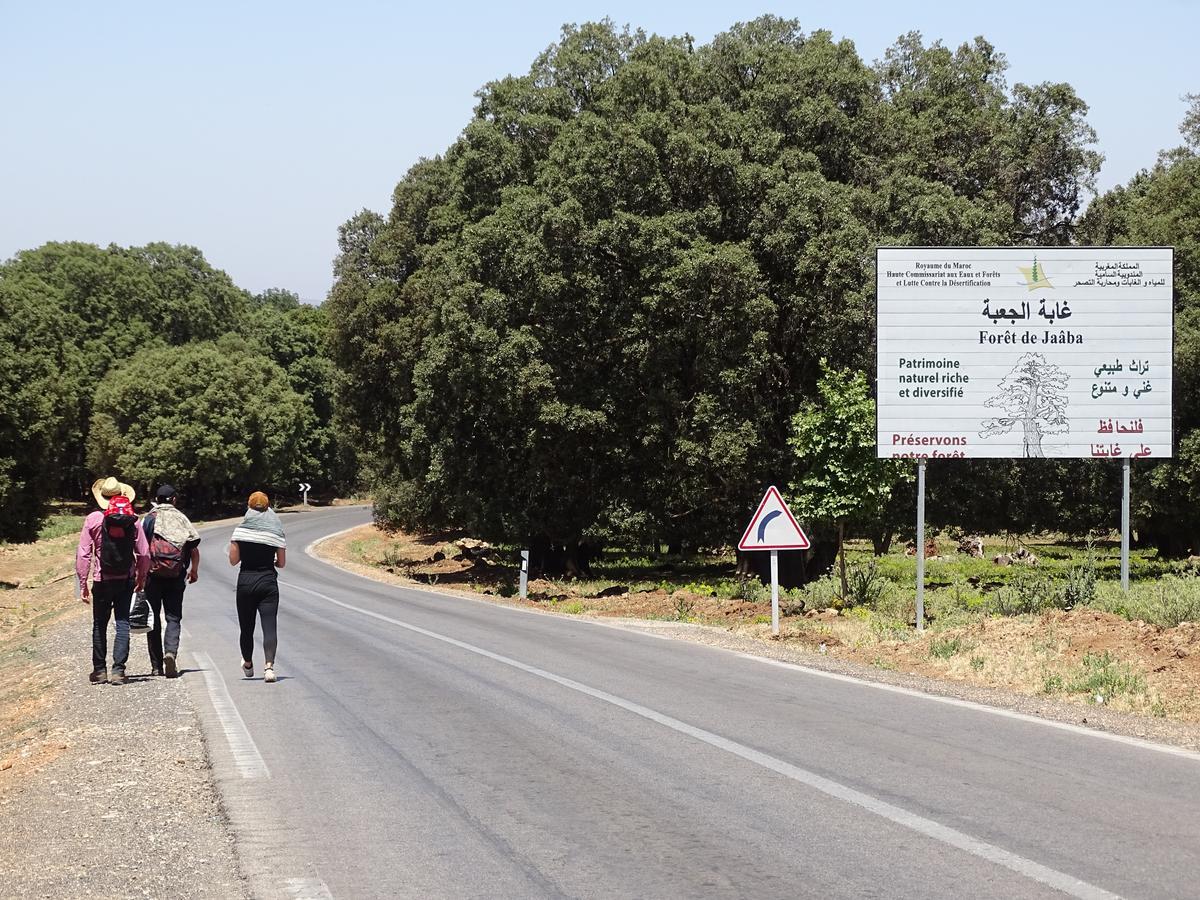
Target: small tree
x=834, y=442
x=1034, y=396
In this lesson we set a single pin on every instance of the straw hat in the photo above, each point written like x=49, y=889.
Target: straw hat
x=104, y=489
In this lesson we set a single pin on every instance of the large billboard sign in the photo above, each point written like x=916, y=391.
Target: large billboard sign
x=1055, y=352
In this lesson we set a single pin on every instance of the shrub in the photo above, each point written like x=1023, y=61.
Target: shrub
x=946, y=647
x=1079, y=589
x=1024, y=593
x=899, y=606
x=753, y=591
x=1102, y=673
x=821, y=593
x=683, y=605
x=1167, y=601
x=866, y=585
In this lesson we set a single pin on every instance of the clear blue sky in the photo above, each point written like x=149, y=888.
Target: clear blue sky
x=253, y=129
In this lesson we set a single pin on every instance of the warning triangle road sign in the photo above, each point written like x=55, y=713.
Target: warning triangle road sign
x=773, y=527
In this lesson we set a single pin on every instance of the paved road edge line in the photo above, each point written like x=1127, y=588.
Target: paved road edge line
x=246, y=757
x=1027, y=868
x=1127, y=740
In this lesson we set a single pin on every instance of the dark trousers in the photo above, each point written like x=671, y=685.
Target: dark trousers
x=110, y=598
x=165, y=596
x=258, y=594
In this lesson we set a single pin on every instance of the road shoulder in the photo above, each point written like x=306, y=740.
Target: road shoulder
x=1186, y=735
x=125, y=805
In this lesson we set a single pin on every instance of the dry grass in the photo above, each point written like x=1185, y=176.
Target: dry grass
x=37, y=591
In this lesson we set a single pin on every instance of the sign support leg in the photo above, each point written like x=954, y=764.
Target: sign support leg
x=524, y=574
x=1125, y=524
x=920, y=545
x=775, y=592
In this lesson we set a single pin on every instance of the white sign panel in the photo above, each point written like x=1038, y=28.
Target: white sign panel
x=1053, y=352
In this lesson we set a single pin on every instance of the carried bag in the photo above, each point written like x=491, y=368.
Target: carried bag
x=166, y=557
x=141, y=614
x=117, y=537
x=171, y=542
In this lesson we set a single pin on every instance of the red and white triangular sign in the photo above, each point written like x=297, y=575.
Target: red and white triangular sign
x=773, y=527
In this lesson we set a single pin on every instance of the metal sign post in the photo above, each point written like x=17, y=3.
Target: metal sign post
x=524, y=574
x=1125, y=524
x=305, y=487
x=775, y=592
x=774, y=528
x=921, y=544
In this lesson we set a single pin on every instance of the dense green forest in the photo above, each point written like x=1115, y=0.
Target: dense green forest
x=148, y=362
x=604, y=312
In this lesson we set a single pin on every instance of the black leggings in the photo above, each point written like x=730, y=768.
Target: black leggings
x=258, y=594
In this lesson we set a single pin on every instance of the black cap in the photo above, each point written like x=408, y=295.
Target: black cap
x=165, y=492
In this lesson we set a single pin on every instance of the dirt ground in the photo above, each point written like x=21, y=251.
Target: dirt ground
x=37, y=590
x=1082, y=656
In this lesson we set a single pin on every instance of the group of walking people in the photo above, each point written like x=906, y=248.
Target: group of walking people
x=119, y=556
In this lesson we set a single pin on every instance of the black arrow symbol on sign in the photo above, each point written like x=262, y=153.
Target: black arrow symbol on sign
x=766, y=520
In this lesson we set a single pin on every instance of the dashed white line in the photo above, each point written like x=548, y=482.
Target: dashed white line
x=246, y=758
x=1061, y=881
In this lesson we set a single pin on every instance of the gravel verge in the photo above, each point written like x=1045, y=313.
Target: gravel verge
x=127, y=807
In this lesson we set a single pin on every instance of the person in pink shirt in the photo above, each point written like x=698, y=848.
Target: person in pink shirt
x=111, y=562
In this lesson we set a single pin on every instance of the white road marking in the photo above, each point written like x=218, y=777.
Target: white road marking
x=246, y=758
x=308, y=550
x=1140, y=743
x=307, y=889
x=1068, y=884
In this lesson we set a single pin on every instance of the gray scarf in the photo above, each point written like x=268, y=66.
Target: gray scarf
x=260, y=528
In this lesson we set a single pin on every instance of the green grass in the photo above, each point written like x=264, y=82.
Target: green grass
x=58, y=525
x=1098, y=674
x=947, y=647
x=1166, y=601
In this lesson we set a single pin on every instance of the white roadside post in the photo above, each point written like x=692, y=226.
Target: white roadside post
x=774, y=528
x=774, y=592
x=524, y=574
x=305, y=487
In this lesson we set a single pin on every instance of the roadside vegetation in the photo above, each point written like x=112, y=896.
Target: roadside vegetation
x=635, y=290
x=639, y=287
x=1055, y=625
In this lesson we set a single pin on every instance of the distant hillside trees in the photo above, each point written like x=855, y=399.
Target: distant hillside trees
x=597, y=313
x=72, y=313
x=220, y=417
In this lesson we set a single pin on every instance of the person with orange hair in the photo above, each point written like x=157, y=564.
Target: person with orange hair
x=260, y=547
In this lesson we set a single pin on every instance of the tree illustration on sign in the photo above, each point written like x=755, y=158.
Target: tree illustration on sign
x=1033, y=396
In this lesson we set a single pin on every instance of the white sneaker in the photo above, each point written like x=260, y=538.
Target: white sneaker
x=247, y=669
x=269, y=674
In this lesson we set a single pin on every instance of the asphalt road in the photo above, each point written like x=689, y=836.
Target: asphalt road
x=421, y=745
